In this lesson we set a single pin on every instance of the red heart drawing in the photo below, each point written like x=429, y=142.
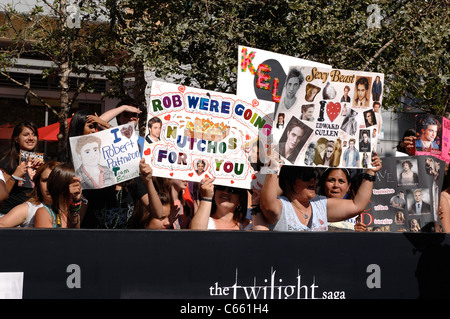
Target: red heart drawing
x=255, y=103
x=171, y=174
x=147, y=152
x=333, y=110
x=181, y=88
x=206, y=176
x=191, y=174
x=253, y=176
x=232, y=182
x=167, y=117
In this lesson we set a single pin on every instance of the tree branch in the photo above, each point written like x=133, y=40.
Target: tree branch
x=26, y=86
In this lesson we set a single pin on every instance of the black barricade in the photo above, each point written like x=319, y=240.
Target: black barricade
x=226, y=265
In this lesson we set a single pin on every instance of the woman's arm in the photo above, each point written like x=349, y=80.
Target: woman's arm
x=4, y=193
x=269, y=203
x=201, y=216
x=342, y=209
x=19, y=172
x=150, y=200
x=76, y=205
x=102, y=124
x=42, y=218
x=15, y=217
x=444, y=211
x=110, y=114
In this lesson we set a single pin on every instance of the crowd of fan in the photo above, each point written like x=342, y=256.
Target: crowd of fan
x=294, y=199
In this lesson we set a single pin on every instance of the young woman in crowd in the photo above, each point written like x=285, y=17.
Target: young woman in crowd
x=337, y=183
x=23, y=215
x=83, y=122
x=221, y=207
x=300, y=209
x=24, y=137
x=67, y=208
x=182, y=211
x=108, y=207
x=150, y=219
x=160, y=210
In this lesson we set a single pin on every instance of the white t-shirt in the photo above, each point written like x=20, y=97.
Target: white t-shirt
x=289, y=221
x=32, y=209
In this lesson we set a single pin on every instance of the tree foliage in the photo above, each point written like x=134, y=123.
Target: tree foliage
x=44, y=33
x=195, y=42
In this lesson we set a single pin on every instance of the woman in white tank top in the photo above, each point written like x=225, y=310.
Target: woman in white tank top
x=23, y=215
x=300, y=209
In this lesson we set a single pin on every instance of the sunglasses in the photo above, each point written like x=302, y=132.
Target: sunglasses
x=227, y=189
x=307, y=174
x=130, y=114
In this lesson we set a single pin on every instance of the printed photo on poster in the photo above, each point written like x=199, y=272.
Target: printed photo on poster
x=408, y=202
x=344, y=132
x=432, y=136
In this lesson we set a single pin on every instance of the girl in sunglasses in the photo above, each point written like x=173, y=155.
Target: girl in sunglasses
x=221, y=207
x=300, y=209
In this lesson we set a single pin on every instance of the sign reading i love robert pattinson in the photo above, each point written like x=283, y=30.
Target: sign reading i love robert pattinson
x=193, y=134
x=106, y=157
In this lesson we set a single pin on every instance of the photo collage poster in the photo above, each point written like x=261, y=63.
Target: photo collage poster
x=193, y=134
x=107, y=157
x=329, y=118
x=433, y=134
x=27, y=157
x=329, y=124
x=406, y=195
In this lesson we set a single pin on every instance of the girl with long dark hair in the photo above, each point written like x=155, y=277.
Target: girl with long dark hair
x=24, y=137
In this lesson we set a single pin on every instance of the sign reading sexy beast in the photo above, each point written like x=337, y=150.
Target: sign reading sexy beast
x=331, y=119
x=193, y=133
x=107, y=157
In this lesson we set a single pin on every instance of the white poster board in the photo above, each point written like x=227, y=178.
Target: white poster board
x=335, y=118
x=205, y=134
x=107, y=157
x=11, y=285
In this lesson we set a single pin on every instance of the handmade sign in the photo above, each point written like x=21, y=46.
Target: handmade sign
x=262, y=74
x=406, y=195
x=333, y=119
x=324, y=116
x=107, y=157
x=194, y=133
x=28, y=157
x=433, y=133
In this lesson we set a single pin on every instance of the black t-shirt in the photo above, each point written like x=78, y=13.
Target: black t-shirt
x=110, y=208
x=18, y=194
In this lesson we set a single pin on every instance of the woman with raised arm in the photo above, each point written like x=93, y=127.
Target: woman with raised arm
x=299, y=208
x=67, y=207
x=221, y=208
